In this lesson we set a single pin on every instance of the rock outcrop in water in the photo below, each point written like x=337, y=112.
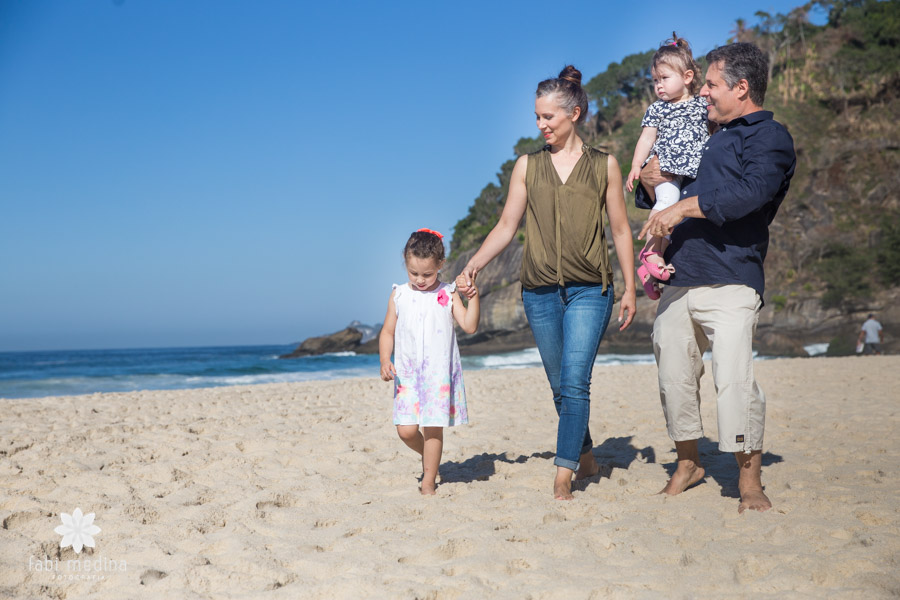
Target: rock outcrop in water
x=343, y=341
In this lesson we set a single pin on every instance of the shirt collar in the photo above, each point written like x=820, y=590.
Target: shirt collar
x=751, y=118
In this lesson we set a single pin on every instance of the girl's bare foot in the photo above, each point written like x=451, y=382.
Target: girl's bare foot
x=562, y=485
x=427, y=489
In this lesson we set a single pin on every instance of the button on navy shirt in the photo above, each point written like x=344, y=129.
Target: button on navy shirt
x=744, y=174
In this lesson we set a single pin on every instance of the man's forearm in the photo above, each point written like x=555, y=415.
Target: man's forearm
x=690, y=208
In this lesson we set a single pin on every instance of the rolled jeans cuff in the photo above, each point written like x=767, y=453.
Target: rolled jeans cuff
x=565, y=463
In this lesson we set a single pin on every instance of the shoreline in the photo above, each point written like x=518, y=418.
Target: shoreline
x=117, y=383
x=303, y=489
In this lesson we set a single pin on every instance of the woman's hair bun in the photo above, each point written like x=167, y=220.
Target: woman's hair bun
x=570, y=73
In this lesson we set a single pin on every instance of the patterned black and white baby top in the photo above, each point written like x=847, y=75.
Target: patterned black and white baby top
x=681, y=131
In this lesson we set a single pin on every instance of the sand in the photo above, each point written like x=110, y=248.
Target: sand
x=304, y=491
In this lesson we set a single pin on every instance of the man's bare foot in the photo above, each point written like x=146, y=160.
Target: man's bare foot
x=754, y=500
x=587, y=467
x=427, y=489
x=562, y=485
x=750, y=482
x=687, y=474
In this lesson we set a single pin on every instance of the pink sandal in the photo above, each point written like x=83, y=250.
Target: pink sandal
x=662, y=273
x=651, y=288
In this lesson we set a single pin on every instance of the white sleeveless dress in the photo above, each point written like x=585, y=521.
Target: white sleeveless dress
x=428, y=388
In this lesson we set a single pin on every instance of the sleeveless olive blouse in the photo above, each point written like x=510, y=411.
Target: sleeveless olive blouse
x=564, y=236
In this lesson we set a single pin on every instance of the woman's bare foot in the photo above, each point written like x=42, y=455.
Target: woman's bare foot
x=687, y=474
x=427, y=489
x=587, y=467
x=562, y=485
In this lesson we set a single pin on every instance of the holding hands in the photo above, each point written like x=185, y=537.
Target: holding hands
x=465, y=282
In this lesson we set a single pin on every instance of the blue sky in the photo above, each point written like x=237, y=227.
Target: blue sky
x=190, y=173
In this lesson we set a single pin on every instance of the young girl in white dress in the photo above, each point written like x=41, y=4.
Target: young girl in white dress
x=426, y=370
x=675, y=128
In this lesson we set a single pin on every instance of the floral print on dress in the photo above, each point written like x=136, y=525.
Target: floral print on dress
x=428, y=387
x=681, y=132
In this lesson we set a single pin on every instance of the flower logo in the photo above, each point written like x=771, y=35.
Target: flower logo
x=77, y=530
x=443, y=298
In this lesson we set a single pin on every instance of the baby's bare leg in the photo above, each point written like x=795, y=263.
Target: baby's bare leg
x=431, y=458
x=411, y=437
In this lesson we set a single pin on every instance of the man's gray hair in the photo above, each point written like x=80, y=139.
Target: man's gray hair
x=743, y=61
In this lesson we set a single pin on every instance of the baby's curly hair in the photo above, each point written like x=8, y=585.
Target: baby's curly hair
x=424, y=244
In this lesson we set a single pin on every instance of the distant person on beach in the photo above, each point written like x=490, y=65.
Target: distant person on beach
x=674, y=129
x=426, y=370
x=567, y=281
x=719, y=236
x=871, y=336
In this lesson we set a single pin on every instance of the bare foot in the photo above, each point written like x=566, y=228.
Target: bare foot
x=687, y=474
x=588, y=466
x=754, y=500
x=562, y=485
x=750, y=482
x=427, y=489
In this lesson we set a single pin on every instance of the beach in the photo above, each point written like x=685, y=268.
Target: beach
x=303, y=490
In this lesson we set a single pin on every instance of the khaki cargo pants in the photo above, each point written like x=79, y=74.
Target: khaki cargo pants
x=722, y=318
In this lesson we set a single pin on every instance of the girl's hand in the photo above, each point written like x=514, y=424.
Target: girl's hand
x=465, y=281
x=629, y=181
x=388, y=372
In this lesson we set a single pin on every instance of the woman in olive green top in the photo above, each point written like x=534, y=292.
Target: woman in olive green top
x=567, y=285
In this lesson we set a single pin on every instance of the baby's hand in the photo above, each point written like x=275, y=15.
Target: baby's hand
x=388, y=371
x=629, y=181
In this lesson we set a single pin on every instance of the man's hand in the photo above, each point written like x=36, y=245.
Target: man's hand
x=662, y=223
x=651, y=176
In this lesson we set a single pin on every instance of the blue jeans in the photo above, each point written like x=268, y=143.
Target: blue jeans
x=568, y=324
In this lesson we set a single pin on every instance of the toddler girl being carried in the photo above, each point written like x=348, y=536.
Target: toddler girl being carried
x=674, y=130
x=426, y=370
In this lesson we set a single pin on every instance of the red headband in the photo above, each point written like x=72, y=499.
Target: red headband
x=431, y=231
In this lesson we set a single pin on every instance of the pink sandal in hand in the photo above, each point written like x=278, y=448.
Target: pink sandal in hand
x=659, y=272
x=651, y=288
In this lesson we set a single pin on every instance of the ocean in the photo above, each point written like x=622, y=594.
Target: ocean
x=74, y=372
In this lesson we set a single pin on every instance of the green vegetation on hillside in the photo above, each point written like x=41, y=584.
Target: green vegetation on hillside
x=837, y=89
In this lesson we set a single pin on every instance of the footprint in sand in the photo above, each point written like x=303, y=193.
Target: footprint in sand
x=151, y=576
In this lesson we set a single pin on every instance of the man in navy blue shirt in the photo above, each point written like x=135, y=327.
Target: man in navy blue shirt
x=719, y=237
